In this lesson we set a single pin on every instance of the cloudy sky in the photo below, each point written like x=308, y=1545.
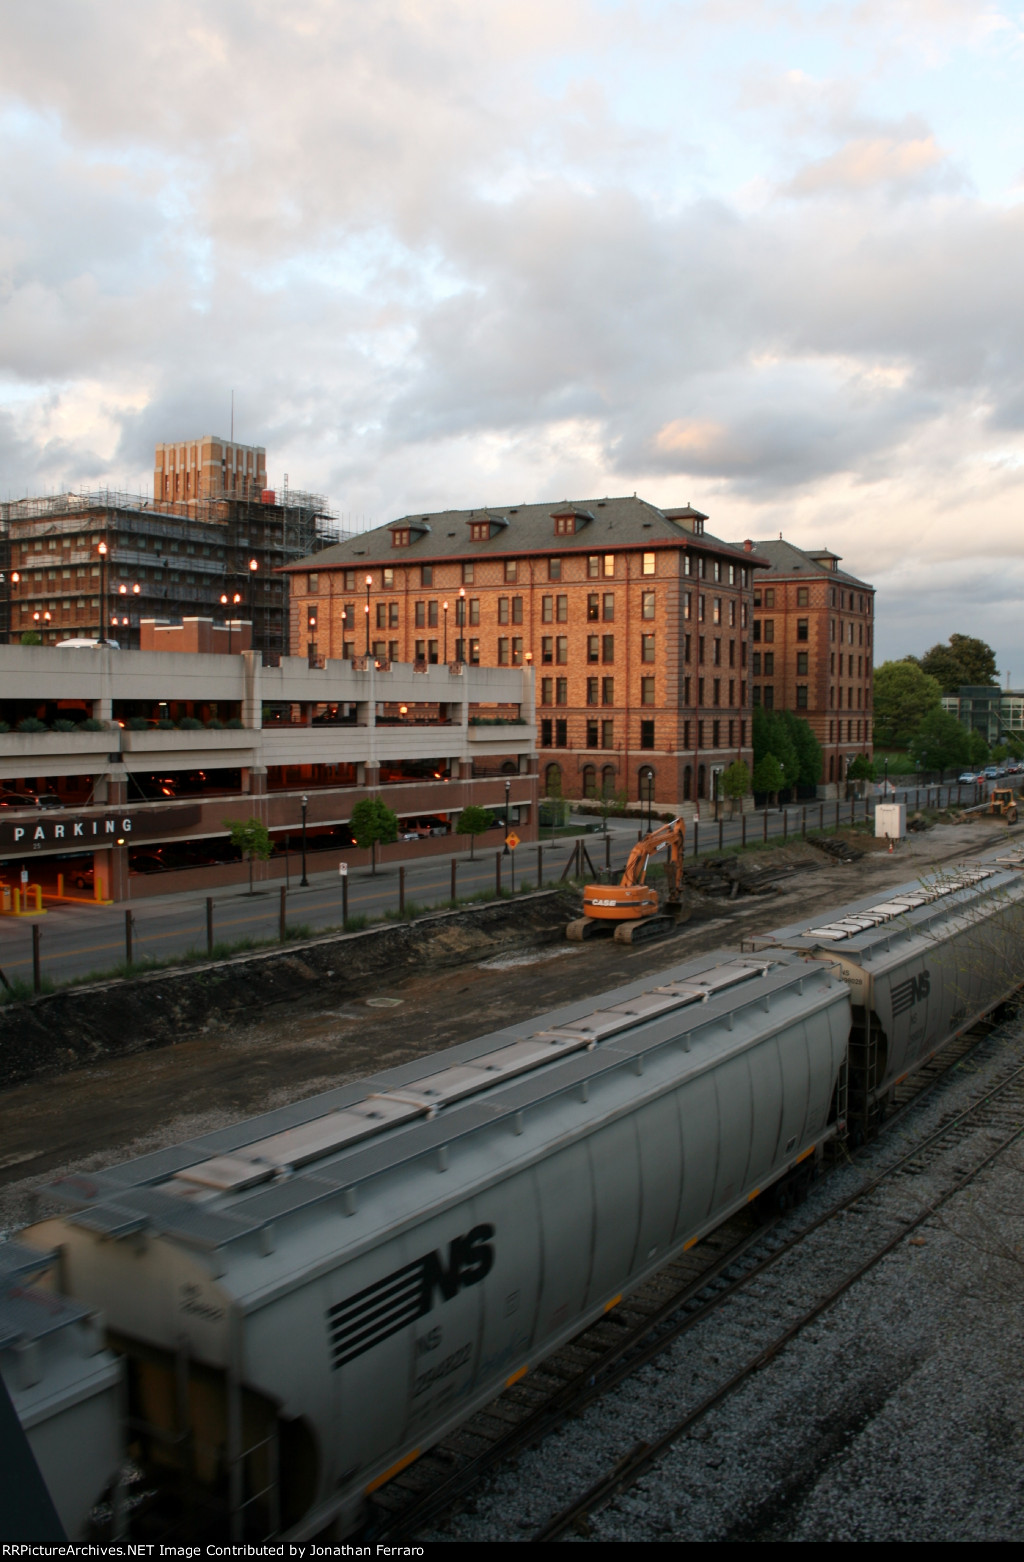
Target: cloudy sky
x=763, y=257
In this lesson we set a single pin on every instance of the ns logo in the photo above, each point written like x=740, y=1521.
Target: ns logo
x=909, y=993
x=407, y=1294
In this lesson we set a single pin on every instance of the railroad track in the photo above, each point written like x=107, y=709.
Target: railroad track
x=981, y=1133
x=671, y=1303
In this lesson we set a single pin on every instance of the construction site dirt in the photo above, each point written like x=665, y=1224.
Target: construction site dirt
x=475, y=975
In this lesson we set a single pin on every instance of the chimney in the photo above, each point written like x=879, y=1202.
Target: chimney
x=748, y=546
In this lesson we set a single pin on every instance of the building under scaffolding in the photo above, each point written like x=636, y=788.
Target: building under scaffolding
x=92, y=564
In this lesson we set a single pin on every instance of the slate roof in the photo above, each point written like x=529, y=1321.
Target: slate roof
x=786, y=559
x=525, y=528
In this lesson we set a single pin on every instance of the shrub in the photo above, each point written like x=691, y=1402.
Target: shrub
x=190, y=724
x=90, y=724
x=215, y=724
x=137, y=724
x=31, y=724
x=62, y=724
x=236, y=724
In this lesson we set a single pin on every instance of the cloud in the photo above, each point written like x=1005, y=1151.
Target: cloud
x=870, y=163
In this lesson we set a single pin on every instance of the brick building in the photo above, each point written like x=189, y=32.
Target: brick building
x=636, y=621
x=96, y=564
x=812, y=648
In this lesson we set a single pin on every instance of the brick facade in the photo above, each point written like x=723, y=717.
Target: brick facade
x=812, y=649
x=636, y=622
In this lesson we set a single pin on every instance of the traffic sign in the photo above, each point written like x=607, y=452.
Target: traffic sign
x=511, y=840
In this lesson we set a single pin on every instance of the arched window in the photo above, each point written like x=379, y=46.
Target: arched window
x=831, y=767
x=688, y=784
x=702, y=781
x=589, y=781
x=608, y=781
x=645, y=783
x=553, y=780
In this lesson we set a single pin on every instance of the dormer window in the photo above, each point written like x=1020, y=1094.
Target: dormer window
x=407, y=532
x=565, y=525
x=400, y=537
x=480, y=531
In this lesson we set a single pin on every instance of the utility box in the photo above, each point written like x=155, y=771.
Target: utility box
x=891, y=820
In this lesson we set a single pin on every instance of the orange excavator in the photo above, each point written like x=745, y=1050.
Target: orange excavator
x=631, y=908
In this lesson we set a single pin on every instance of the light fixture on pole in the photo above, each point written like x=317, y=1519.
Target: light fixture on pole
x=460, y=619
x=102, y=551
x=444, y=607
x=508, y=789
x=233, y=601
x=304, y=882
x=369, y=583
x=253, y=567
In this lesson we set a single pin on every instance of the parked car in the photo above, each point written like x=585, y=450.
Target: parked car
x=991, y=772
x=968, y=778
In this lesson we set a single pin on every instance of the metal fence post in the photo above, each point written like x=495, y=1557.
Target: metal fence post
x=128, y=937
x=454, y=871
x=401, y=890
x=785, y=823
x=696, y=835
x=282, y=915
x=764, y=824
x=37, y=980
x=209, y=924
x=540, y=867
x=721, y=827
x=607, y=850
x=803, y=823
x=497, y=873
x=344, y=903
x=743, y=829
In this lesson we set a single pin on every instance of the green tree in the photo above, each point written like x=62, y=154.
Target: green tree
x=735, y=783
x=769, y=776
x=252, y=838
x=940, y=742
x=808, y=749
x=372, y=821
x=903, y=697
x=771, y=735
x=31, y=637
x=861, y=769
x=977, y=749
x=474, y=821
x=965, y=660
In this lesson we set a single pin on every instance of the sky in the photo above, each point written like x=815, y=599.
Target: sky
x=763, y=258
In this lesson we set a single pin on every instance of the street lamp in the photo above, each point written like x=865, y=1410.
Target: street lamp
x=102, y=551
x=648, y=778
x=508, y=789
x=227, y=601
x=253, y=567
x=304, y=882
x=444, y=607
x=123, y=590
x=460, y=619
x=369, y=583
x=43, y=618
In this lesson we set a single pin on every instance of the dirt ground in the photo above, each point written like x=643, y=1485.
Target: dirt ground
x=127, y=1106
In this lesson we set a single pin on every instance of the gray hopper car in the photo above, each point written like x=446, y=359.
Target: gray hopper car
x=923, y=964
x=65, y=1386
x=307, y=1300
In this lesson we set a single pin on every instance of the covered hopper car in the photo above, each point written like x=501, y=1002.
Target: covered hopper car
x=305, y=1301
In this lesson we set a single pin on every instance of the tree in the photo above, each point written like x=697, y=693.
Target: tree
x=372, y=821
x=769, y=776
x=771, y=735
x=860, y=769
x=808, y=749
x=474, y=821
x=735, y=783
x=31, y=637
x=965, y=660
x=903, y=697
x=977, y=749
x=940, y=742
x=252, y=838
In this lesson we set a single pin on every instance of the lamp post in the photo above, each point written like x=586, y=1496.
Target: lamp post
x=369, y=583
x=42, y=619
x=648, y=778
x=227, y=601
x=102, y=551
x=508, y=789
x=311, y=637
x=444, y=609
x=123, y=590
x=304, y=882
x=460, y=619
x=253, y=567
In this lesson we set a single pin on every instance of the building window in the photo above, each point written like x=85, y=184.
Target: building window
x=647, y=734
x=382, y=615
x=503, y=651
x=388, y=579
x=803, y=596
x=565, y=525
x=648, y=564
x=562, y=650
x=426, y=574
x=608, y=607
x=467, y=572
x=517, y=651
x=687, y=603
x=608, y=781
x=517, y=610
x=554, y=569
x=420, y=612
x=474, y=610
x=717, y=658
x=393, y=651
x=801, y=664
x=801, y=696
x=769, y=597
x=607, y=648
x=392, y=615
x=756, y=694
x=593, y=648
x=561, y=691
x=593, y=607
x=474, y=653
x=503, y=610
x=607, y=734
x=769, y=696
x=592, y=687
x=700, y=608
x=562, y=610
x=802, y=631
x=313, y=584
x=589, y=771
x=769, y=630
x=480, y=531
x=561, y=733
x=593, y=566
x=432, y=614
x=716, y=610
x=511, y=571
x=553, y=780
x=647, y=605
x=547, y=650
x=432, y=651
x=592, y=732
x=607, y=691
x=646, y=691
x=545, y=733
x=547, y=610
x=647, y=648
x=769, y=664
x=546, y=687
